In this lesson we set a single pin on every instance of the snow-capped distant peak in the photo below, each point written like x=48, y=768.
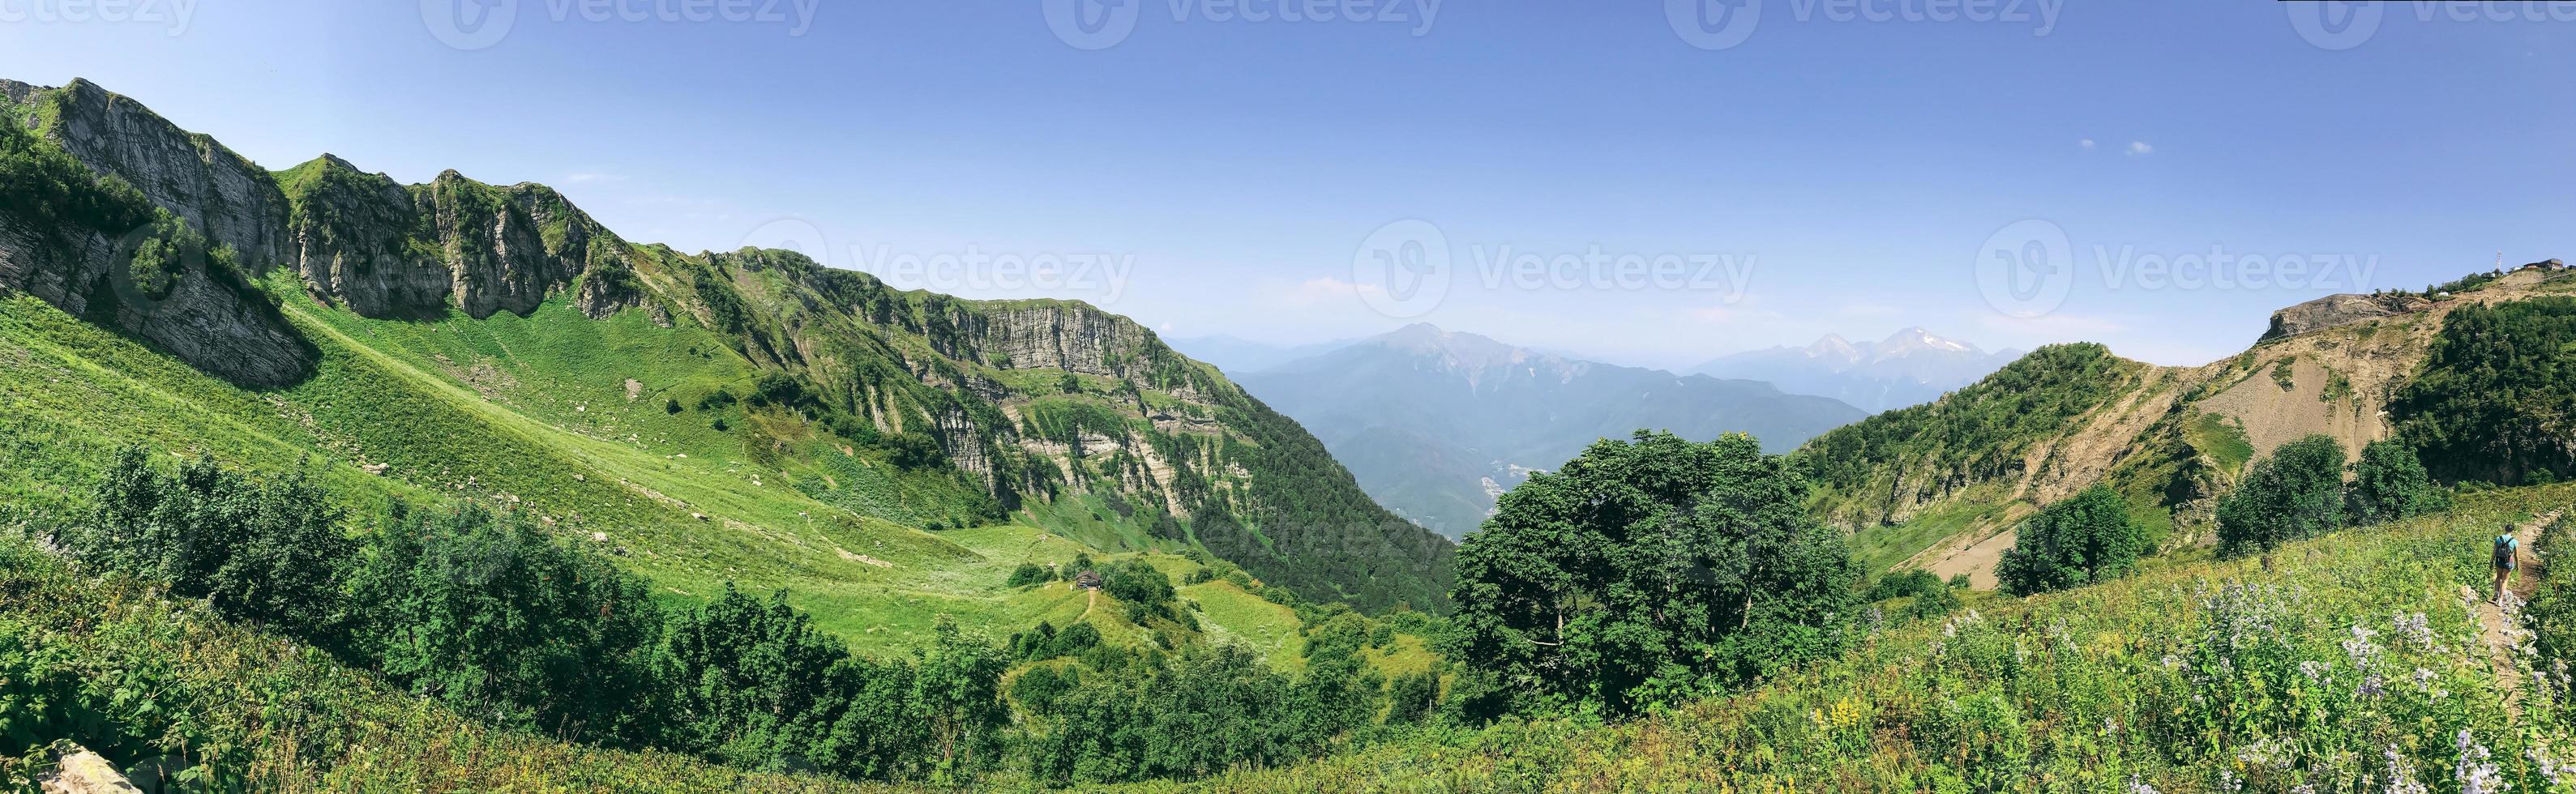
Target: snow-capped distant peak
x=1833, y=346
x=1913, y=339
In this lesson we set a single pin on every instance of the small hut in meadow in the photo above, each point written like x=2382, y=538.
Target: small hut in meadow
x=1087, y=580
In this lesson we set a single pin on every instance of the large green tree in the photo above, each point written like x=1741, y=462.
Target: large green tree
x=1649, y=571
x=2389, y=484
x=2082, y=539
x=2296, y=493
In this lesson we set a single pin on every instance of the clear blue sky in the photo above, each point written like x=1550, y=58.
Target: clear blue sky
x=1860, y=167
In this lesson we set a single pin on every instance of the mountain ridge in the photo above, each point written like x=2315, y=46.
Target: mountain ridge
x=1038, y=403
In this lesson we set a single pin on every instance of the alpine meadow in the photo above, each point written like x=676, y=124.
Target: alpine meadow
x=679, y=397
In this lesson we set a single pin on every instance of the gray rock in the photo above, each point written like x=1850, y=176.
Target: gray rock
x=2339, y=310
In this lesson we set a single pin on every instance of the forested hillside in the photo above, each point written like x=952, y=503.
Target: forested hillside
x=2465, y=373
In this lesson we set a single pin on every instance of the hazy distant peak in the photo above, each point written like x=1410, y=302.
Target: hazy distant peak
x=1834, y=346
x=1456, y=348
x=1918, y=339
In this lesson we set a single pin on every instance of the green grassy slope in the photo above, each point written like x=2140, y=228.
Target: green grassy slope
x=534, y=413
x=2272, y=673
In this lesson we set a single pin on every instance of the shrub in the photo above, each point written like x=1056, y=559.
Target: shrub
x=483, y=611
x=265, y=552
x=1138, y=583
x=2390, y=484
x=1029, y=573
x=2078, y=541
x=2296, y=493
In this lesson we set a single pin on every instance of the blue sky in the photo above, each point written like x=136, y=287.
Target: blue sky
x=1837, y=174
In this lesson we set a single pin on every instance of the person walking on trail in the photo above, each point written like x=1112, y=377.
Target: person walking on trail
x=2506, y=545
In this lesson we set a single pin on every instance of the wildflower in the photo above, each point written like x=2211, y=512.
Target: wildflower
x=2360, y=648
x=2401, y=775
x=2416, y=630
x=2314, y=670
x=2171, y=661
x=2539, y=755
x=2371, y=686
x=2476, y=774
x=2423, y=678
x=2139, y=787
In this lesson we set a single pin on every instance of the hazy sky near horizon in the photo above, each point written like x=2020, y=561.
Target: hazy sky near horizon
x=1598, y=181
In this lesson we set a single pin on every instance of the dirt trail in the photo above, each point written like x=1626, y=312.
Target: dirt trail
x=2500, y=620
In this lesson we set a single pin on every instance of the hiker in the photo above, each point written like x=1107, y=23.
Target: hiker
x=2503, y=558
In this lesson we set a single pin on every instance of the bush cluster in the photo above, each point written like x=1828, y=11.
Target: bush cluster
x=488, y=613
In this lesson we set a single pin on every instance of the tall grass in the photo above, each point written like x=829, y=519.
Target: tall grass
x=2336, y=664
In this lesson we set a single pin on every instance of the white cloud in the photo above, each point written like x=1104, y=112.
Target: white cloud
x=2138, y=148
x=2086, y=143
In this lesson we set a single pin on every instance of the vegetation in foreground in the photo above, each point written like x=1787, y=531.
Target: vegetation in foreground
x=488, y=616
x=2354, y=664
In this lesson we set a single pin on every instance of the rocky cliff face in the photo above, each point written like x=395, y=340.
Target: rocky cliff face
x=232, y=200
x=386, y=250
x=358, y=240
x=2340, y=310
x=207, y=315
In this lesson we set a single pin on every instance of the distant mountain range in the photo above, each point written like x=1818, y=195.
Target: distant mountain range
x=1437, y=424
x=1910, y=367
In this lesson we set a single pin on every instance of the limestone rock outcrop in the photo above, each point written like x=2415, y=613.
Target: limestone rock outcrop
x=2340, y=310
